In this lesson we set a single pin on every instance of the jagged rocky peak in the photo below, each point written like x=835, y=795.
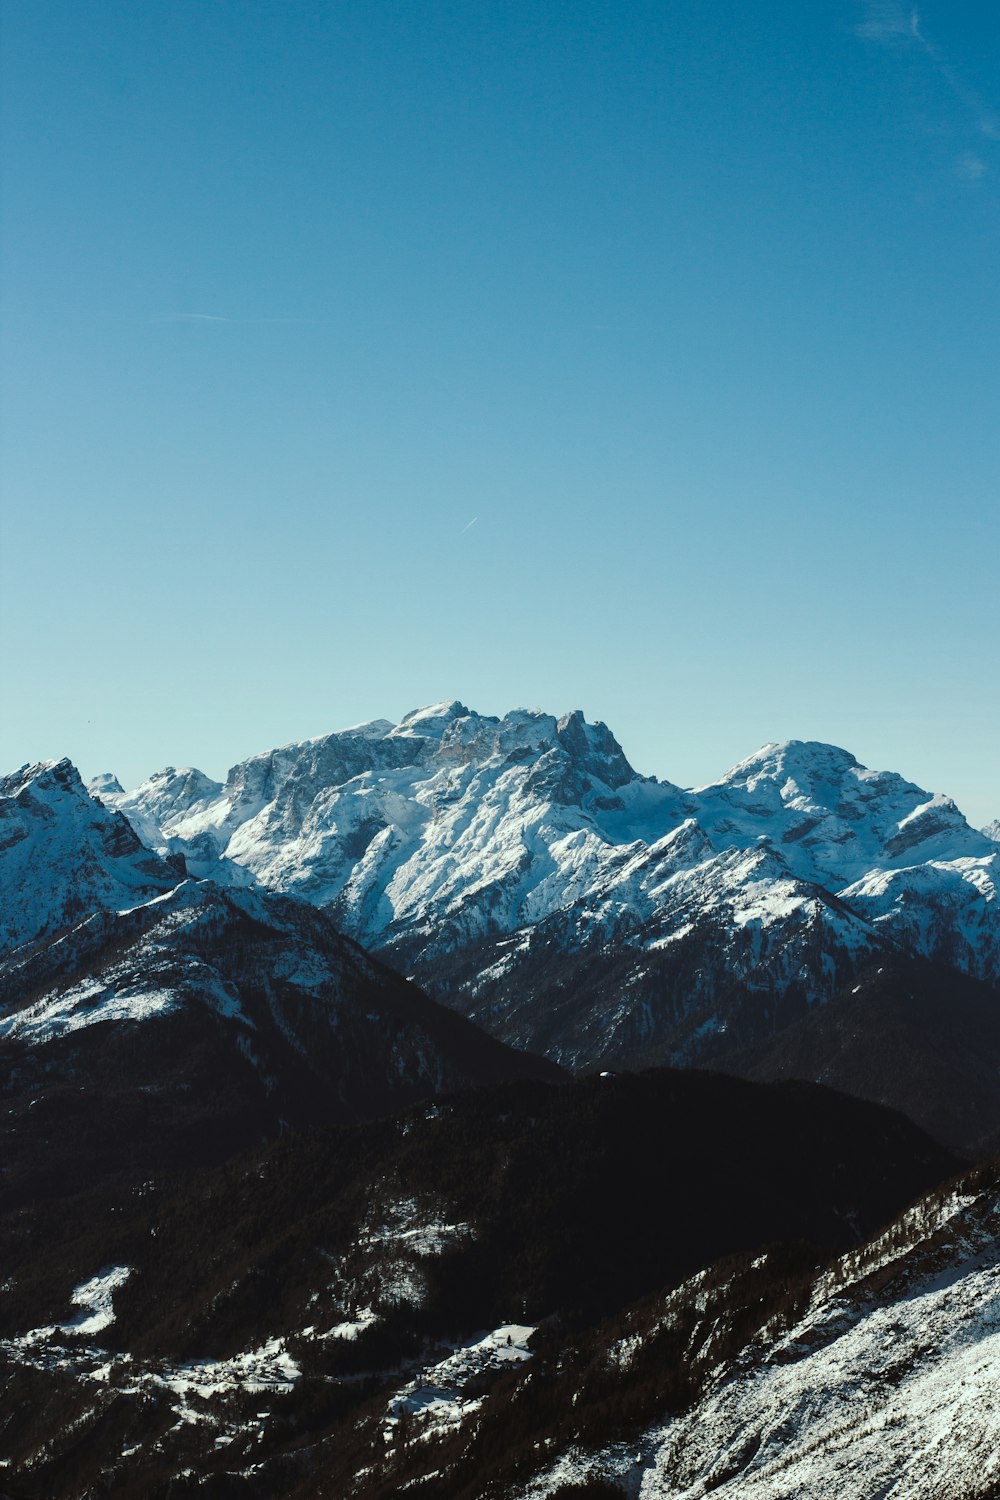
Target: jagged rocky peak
x=64, y=855
x=182, y=784
x=167, y=799
x=461, y=735
x=48, y=791
x=174, y=790
x=332, y=759
x=594, y=749
x=445, y=734
x=43, y=777
x=992, y=831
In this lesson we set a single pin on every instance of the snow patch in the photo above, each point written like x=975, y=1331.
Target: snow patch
x=85, y=1005
x=94, y=1297
x=436, y=1399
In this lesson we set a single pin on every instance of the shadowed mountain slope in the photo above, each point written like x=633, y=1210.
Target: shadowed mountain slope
x=320, y=1275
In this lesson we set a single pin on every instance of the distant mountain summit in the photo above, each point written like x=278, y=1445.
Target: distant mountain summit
x=478, y=826
x=523, y=871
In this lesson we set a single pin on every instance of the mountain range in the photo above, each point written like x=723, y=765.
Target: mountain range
x=523, y=873
x=292, y=1203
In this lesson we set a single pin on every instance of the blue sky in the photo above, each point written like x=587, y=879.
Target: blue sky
x=640, y=357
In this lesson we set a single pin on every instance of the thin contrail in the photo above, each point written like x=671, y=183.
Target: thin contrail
x=468, y=526
x=196, y=317
x=191, y=317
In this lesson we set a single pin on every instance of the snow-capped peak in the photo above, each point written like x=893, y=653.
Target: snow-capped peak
x=834, y=818
x=778, y=760
x=64, y=855
x=432, y=720
x=106, y=784
x=371, y=729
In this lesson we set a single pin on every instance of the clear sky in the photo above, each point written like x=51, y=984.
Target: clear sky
x=638, y=357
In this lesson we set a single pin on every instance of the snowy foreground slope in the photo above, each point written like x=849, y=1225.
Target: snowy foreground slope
x=481, y=854
x=887, y=1383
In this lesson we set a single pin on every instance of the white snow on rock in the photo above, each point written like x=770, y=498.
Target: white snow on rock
x=94, y=1297
x=402, y=1226
x=404, y=1236
x=86, y=1004
x=351, y=1328
x=147, y=962
x=452, y=826
x=437, y=1398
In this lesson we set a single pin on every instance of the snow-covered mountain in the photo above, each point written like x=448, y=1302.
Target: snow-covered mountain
x=484, y=855
x=148, y=1016
x=992, y=831
x=63, y=857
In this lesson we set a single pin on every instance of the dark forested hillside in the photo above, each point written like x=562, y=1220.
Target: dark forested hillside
x=355, y=1254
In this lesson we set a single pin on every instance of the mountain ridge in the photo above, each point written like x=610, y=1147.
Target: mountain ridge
x=470, y=850
x=523, y=873
x=220, y=1273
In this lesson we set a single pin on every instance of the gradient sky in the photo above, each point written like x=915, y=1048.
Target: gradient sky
x=639, y=357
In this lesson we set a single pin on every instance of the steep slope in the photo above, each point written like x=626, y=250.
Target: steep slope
x=881, y=1377
x=62, y=856
x=204, y=1020
x=526, y=874
x=286, y=1325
